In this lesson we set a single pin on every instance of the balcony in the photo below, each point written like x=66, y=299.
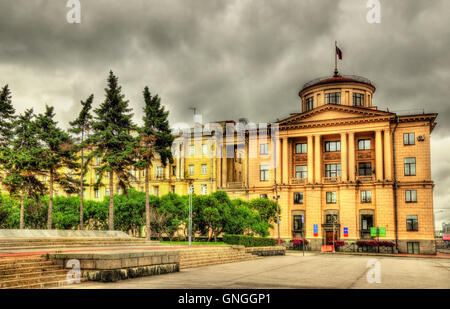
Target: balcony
x=332, y=179
x=298, y=181
x=365, y=178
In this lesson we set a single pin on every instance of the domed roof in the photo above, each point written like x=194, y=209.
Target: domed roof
x=336, y=79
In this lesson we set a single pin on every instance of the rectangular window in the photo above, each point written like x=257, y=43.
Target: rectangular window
x=364, y=144
x=301, y=148
x=174, y=170
x=413, y=248
x=330, y=219
x=309, y=103
x=204, y=169
x=412, y=223
x=364, y=169
x=97, y=161
x=301, y=171
x=107, y=191
x=298, y=223
x=263, y=173
x=332, y=170
x=172, y=189
x=366, y=196
x=191, y=169
x=298, y=198
x=409, y=139
x=192, y=150
x=204, y=149
x=410, y=166
x=333, y=98
x=263, y=196
x=160, y=172
x=264, y=149
x=96, y=193
x=411, y=196
x=204, y=189
x=358, y=99
x=156, y=190
x=331, y=197
x=332, y=146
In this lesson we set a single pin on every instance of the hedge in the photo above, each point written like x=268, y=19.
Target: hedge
x=248, y=241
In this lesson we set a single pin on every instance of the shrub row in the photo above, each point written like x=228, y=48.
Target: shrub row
x=374, y=243
x=248, y=241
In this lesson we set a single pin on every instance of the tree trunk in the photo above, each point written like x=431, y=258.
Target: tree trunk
x=81, y=185
x=111, y=201
x=50, y=202
x=22, y=209
x=147, y=205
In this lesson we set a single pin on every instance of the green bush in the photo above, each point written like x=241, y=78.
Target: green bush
x=248, y=241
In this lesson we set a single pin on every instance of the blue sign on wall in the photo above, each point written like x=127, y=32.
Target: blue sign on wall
x=345, y=230
x=316, y=229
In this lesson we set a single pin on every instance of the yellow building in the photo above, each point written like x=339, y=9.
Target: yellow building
x=342, y=165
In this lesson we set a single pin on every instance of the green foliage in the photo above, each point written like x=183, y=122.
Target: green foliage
x=248, y=241
x=129, y=210
x=7, y=117
x=268, y=209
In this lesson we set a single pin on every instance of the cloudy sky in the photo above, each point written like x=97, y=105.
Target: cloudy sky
x=230, y=58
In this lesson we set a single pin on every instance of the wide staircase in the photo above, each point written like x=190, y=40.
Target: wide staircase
x=197, y=257
x=11, y=245
x=30, y=272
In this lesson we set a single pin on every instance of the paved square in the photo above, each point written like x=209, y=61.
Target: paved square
x=297, y=271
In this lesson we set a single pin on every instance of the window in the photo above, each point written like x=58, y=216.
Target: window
x=366, y=222
x=298, y=198
x=332, y=146
x=160, y=171
x=172, y=188
x=410, y=166
x=191, y=189
x=301, y=148
x=263, y=173
x=263, y=196
x=301, y=171
x=309, y=103
x=366, y=196
x=332, y=170
x=330, y=219
x=331, y=197
x=44, y=178
x=204, y=169
x=174, y=170
x=191, y=169
x=107, y=191
x=143, y=173
x=97, y=161
x=364, y=144
x=204, y=149
x=411, y=196
x=412, y=223
x=192, y=150
x=96, y=193
x=364, y=169
x=409, y=139
x=298, y=223
x=204, y=189
x=264, y=149
x=358, y=99
x=156, y=190
x=333, y=98
x=413, y=248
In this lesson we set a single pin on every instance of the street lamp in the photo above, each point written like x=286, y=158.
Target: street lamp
x=190, y=213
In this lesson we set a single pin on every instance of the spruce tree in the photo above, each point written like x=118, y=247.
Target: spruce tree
x=21, y=162
x=59, y=156
x=7, y=117
x=112, y=140
x=81, y=127
x=154, y=138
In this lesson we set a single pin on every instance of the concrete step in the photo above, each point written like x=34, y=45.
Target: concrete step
x=190, y=258
x=42, y=285
x=12, y=271
x=201, y=263
x=72, y=245
x=39, y=279
x=20, y=265
x=31, y=274
x=19, y=259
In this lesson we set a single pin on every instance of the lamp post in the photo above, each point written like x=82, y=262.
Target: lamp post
x=276, y=197
x=190, y=214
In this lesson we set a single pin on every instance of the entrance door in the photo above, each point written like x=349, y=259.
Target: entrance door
x=329, y=237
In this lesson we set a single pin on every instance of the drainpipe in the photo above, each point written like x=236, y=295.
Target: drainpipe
x=395, y=182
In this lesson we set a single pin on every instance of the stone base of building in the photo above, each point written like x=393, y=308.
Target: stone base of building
x=426, y=246
x=314, y=243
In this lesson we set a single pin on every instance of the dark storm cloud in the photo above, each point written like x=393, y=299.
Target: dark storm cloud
x=228, y=58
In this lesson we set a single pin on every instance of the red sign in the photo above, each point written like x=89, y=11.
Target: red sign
x=446, y=237
x=327, y=248
x=316, y=234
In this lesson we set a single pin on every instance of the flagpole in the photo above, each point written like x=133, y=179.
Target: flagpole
x=336, y=73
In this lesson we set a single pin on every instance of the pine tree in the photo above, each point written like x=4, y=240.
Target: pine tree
x=112, y=140
x=21, y=162
x=7, y=117
x=154, y=138
x=81, y=126
x=59, y=156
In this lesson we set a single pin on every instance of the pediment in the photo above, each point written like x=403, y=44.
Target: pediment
x=329, y=112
